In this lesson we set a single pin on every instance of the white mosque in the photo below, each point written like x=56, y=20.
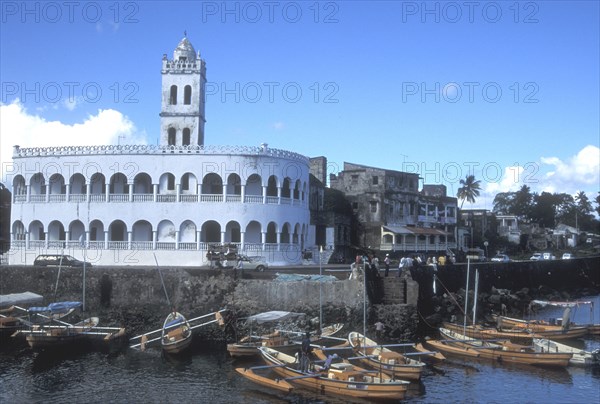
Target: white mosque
x=166, y=203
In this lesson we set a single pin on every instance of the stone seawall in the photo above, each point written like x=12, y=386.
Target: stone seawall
x=135, y=297
x=503, y=287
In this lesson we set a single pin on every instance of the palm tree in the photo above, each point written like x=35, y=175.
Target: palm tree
x=469, y=189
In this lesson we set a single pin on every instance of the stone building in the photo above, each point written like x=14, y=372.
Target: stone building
x=395, y=215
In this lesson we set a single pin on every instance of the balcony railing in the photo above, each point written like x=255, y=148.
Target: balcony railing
x=143, y=197
x=77, y=197
x=118, y=197
x=188, y=198
x=170, y=198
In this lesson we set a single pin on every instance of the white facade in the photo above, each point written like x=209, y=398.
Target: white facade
x=127, y=205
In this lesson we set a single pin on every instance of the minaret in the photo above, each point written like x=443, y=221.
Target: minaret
x=182, y=107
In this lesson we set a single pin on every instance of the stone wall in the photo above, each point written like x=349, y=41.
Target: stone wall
x=135, y=297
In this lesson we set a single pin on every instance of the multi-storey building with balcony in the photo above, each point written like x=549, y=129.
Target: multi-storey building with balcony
x=130, y=204
x=395, y=215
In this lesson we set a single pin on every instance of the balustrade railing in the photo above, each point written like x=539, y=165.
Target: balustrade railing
x=77, y=197
x=165, y=245
x=143, y=197
x=211, y=198
x=118, y=197
x=57, y=198
x=253, y=199
x=141, y=245
x=188, y=198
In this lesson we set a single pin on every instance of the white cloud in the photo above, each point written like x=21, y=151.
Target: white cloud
x=278, y=125
x=19, y=127
x=580, y=172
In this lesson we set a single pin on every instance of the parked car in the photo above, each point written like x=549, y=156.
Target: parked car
x=567, y=256
x=536, y=257
x=476, y=254
x=254, y=263
x=58, y=259
x=548, y=256
x=500, y=258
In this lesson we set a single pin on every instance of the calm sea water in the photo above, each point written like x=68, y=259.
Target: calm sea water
x=208, y=376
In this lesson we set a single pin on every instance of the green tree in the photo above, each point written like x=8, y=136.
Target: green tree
x=544, y=209
x=469, y=189
x=522, y=202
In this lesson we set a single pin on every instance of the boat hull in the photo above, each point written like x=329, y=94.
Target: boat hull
x=541, y=329
x=277, y=384
x=389, y=362
x=54, y=337
x=348, y=387
x=506, y=352
x=580, y=357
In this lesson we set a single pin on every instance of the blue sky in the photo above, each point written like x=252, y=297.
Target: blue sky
x=508, y=91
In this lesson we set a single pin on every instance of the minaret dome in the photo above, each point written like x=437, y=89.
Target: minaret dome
x=184, y=51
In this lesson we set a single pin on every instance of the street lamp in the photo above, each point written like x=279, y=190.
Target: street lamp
x=485, y=244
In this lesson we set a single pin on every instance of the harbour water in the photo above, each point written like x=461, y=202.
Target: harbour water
x=207, y=375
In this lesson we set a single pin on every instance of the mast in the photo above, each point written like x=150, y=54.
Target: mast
x=475, y=296
x=466, y=297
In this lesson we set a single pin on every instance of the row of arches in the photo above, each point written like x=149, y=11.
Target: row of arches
x=143, y=183
x=144, y=234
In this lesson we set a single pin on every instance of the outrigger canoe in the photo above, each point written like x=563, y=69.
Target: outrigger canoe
x=176, y=333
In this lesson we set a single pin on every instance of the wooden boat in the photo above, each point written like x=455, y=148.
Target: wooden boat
x=390, y=362
x=518, y=335
x=452, y=349
x=341, y=379
x=580, y=357
x=176, y=333
x=248, y=346
x=593, y=329
x=277, y=384
x=503, y=351
x=542, y=328
x=15, y=318
x=157, y=338
x=43, y=337
x=428, y=355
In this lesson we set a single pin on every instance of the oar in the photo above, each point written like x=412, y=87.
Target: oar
x=334, y=338
x=384, y=346
x=303, y=377
x=267, y=366
x=362, y=356
x=333, y=348
x=420, y=353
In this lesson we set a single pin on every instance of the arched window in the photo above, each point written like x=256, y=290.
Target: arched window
x=187, y=95
x=172, y=137
x=173, y=96
x=186, y=136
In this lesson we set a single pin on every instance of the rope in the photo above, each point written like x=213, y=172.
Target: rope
x=425, y=321
x=450, y=294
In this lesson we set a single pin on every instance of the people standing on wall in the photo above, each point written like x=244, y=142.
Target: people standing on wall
x=401, y=266
x=386, y=261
